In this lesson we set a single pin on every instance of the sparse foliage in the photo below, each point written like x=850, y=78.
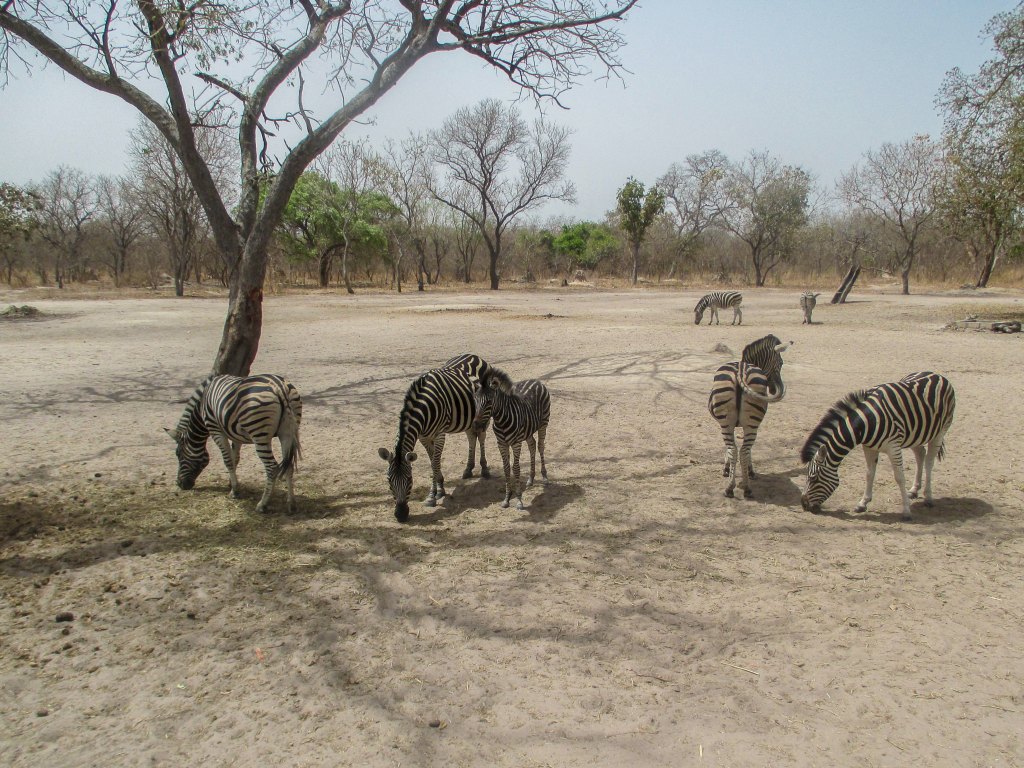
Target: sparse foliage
x=637, y=208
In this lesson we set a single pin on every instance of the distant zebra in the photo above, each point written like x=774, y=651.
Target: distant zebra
x=234, y=411
x=914, y=413
x=474, y=366
x=719, y=300
x=437, y=403
x=739, y=398
x=808, y=301
x=517, y=416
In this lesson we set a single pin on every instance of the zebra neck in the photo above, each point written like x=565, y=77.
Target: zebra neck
x=843, y=436
x=408, y=432
x=191, y=424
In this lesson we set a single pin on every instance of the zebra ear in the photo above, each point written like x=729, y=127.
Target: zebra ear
x=783, y=347
x=384, y=453
x=175, y=435
x=410, y=457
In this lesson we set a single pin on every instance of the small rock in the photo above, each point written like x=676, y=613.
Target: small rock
x=65, y=616
x=66, y=631
x=191, y=614
x=434, y=723
x=42, y=712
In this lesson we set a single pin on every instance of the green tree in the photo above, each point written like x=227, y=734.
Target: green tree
x=206, y=62
x=637, y=210
x=17, y=222
x=767, y=206
x=585, y=244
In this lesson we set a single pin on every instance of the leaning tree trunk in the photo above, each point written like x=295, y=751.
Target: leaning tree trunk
x=986, y=270
x=241, y=337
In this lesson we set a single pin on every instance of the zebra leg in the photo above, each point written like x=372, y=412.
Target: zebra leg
x=266, y=453
x=919, y=459
x=737, y=312
x=436, y=461
x=896, y=457
x=730, y=457
x=503, y=450
x=227, y=450
x=541, y=434
x=929, y=463
x=871, y=459
x=516, y=449
x=714, y=316
x=428, y=448
x=531, y=443
x=481, y=434
x=749, y=436
x=471, y=461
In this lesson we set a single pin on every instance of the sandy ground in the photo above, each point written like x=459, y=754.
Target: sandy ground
x=632, y=615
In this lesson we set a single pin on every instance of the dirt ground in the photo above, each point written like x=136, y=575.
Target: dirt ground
x=632, y=615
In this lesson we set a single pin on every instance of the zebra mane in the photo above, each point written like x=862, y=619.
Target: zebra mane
x=185, y=422
x=822, y=433
x=495, y=378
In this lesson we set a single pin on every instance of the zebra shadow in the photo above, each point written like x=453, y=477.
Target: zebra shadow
x=553, y=497
x=945, y=510
x=779, y=489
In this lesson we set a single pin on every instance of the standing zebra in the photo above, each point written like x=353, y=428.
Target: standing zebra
x=517, y=414
x=437, y=403
x=717, y=300
x=474, y=366
x=739, y=398
x=808, y=301
x=914, y=413
x=235, y=410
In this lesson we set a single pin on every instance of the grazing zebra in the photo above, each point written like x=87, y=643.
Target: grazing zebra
x=474, y=365
x=808, y=300
x=234, y=410
x=914, y=413
x=517, y=415
x=739, y=398
x=719, y=300
x=437, y=403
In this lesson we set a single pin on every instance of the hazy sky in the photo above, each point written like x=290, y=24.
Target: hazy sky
x=815, y=82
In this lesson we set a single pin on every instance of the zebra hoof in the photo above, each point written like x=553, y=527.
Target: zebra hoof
x=912, y=494
x=728, y=493
x=504, y=504
x=747, y=493
x=860, y=508
x=430, y=501
x=929, y=503
x=907, y=517
x=752, y=474
x=233, y=494
x=468, y=473
x=725, y=472
x=485, y=472
x=261, y=509
x=520, y=505
x=529, y=483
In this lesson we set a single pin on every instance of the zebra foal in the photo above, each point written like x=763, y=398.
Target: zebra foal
x=715, y=301
x=518, y=413
x=436, y=404
x=739, y=398
x=808, y=301
x=914, y=412
x=236, y=410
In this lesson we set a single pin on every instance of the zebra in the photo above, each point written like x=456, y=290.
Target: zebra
x=473, y=365
x=234, y=410
x=914, y=413
x=719, y=300
x=739, y=398
x=517, y=416
x=437, y=403
x=808, y=300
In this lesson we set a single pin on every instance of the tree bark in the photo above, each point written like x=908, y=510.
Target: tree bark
x=324, y=267
x=986, y=270
x=636, y=262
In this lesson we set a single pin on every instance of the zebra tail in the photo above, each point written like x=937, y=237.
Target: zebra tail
x=748, y=392
x=942, y=450
x=291, y=448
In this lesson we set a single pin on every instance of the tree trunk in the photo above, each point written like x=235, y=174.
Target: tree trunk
x=905, y=275
x=326, y=262
x=344, y=270
x=986, y=270
x=636, y=262
x=758, y=275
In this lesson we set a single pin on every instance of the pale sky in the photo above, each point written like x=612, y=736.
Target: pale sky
x=814, y=82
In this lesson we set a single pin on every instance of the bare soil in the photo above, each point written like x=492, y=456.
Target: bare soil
x=632, y=615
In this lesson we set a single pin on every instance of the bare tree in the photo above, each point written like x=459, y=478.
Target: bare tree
x=404, y=176
x=68, y=203
x=768, y=204
x=896, y=186
x=495, y=168
x=228, y=63
x=694, y=196
x=121, y=215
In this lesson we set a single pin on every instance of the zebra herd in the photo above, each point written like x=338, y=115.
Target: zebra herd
x=717, y=300
x=467, y=393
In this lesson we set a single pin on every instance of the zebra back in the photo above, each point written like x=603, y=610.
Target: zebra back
x=726, y=404
x=912, y=411
x=536, y=394
x=439, y=401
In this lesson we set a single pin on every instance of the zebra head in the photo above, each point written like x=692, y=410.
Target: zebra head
x=698, y=312
x=192, y=458
x=399, y=479
x=822, y=481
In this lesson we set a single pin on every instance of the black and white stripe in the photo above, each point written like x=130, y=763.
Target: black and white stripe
x=808, y=300
x=717, y=300
x=474, y=366
x=739, y=398
x=437, y=403
x=914, y=412
x=234, y=411
x=517, y=415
